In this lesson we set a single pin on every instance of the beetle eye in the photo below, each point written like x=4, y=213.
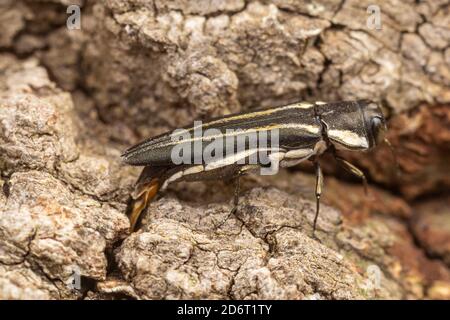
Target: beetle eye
x=378, y=129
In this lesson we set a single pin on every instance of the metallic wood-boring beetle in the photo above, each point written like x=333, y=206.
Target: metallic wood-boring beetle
x=305, y=131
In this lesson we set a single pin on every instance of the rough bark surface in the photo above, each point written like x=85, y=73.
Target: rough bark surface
x=72, y=100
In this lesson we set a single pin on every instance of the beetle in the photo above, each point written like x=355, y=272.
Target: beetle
x=304, y=132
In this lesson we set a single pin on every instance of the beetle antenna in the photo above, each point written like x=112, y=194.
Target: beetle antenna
x=394, y=156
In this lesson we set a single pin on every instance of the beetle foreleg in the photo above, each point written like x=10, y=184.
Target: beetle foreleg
x=355, y=171
x=319, y=186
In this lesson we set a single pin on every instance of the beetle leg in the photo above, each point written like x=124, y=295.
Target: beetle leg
x=237, y=188
x=355, y=171
x=141, y=202
x=319, y=186
x=145, y=190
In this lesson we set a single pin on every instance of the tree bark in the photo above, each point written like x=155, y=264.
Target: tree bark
x=72, y=100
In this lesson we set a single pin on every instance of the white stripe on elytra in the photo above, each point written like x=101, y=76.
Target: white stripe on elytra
x=180, y=174
x=348, y=137
x=300, y=105
x=234, y=158
x=306, y=127
x=229, y=160
x=294, y=156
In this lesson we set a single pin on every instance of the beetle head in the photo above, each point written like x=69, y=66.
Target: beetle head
x=374, y=122
x=352, y=125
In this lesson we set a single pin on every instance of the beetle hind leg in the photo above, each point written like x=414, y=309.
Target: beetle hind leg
x=141, y=202
x=145, y=190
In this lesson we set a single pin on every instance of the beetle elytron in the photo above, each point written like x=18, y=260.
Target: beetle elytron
x=306, y=130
